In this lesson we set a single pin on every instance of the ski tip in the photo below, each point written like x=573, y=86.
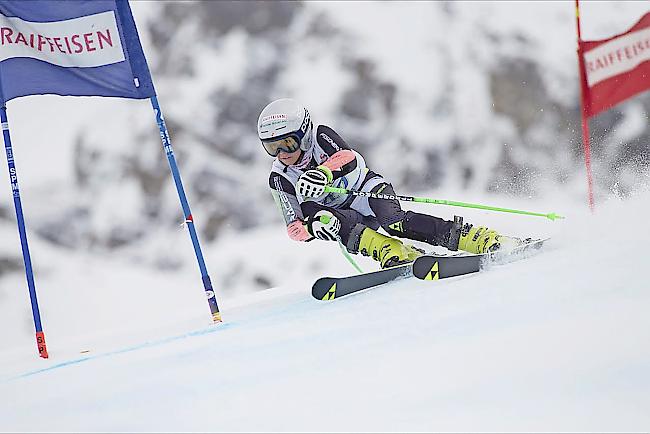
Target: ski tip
x=324, y=289
x=429, y=272
x=331, y=293
x=426, y=267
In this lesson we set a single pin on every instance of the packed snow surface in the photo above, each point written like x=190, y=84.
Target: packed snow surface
x=558, y=341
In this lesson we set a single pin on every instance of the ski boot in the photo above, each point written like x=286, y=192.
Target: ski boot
x=388, y=251
x=479, y=239
x=473, y=239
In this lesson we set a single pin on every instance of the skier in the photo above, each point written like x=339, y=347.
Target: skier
x=309, y=157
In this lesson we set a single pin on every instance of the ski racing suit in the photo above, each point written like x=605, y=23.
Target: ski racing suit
x=354, y=212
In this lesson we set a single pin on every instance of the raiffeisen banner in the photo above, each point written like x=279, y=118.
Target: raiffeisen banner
x=617, y=68
x=88, y=48
x=80, y=42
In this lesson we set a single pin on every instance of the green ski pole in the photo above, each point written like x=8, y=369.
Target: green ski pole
x=329, y=189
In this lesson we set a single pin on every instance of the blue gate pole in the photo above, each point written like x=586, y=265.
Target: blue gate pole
x=13, y=178
x=189, y=220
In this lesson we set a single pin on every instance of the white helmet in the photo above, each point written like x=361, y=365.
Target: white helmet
x=284, y=125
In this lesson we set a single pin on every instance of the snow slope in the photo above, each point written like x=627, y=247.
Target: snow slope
x=558, y=342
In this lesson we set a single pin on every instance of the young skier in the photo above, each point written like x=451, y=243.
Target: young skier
x=308, y=158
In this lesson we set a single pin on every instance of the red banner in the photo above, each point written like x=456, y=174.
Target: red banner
x=617, y=68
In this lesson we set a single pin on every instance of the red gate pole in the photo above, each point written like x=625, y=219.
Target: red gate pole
x=584, y=102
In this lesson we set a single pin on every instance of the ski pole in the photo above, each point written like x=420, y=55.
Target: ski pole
x=329, y=189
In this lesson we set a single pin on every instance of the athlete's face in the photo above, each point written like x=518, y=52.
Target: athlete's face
x=289, y=158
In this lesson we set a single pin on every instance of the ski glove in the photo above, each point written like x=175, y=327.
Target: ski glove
x=312, y=183
x=324, y=225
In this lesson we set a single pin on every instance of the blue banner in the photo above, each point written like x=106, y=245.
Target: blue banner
x=72, y=47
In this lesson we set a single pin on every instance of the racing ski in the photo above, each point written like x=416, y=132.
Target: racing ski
x=435, y=267
x=329, y=288
x=427, y=267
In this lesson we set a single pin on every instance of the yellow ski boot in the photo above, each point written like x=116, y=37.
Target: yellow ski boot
x=389, y=252
x=478, y=239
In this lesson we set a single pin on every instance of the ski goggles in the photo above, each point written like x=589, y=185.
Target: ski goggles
x=285, y=144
